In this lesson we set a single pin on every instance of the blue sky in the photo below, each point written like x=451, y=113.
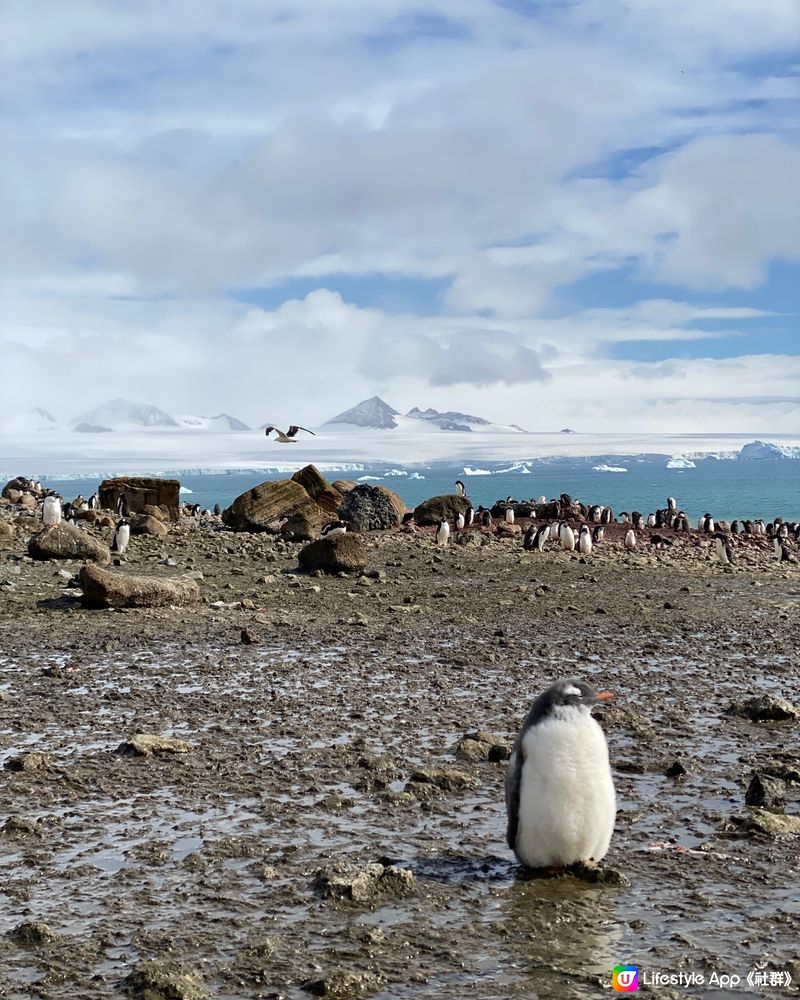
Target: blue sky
x=579, y=209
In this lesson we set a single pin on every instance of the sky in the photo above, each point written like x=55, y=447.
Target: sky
x=554, y=213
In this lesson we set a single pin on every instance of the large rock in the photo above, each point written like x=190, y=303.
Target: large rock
x=264, y=506
x=6, y=530
x=433, y=510
x=344, y=485
x=335, y=554
x=14, y=487
x=103, y=589
x=326, y=497
x=146, y=524
x=63, y=541
x=141, y=492
x=371, y=508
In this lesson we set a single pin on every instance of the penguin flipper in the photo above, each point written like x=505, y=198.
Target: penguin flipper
x=513, y=782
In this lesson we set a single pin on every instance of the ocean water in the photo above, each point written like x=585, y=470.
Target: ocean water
x=727, y=489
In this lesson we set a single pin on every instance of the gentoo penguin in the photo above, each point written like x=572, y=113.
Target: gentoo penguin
x=671, y=504
x=585, y=540
x=121, y=537
x=597, y=534
x=92, y=503
x=122, y=505
x=470, y=517
x=606, y=515
x=707, y=524
x=651, y=520
x=555, y=530
x=68, y=513
x=630, y=539
x=333, y=528
x=79, y=501
x=559, y=790
x=51, y=512
x=443, y=532
x=567, y=538
x=509, y=515
x=724, y=549
x=486, y=519
x=217, y=510
x=460, y=521
x=637, y=520
x=461, y=489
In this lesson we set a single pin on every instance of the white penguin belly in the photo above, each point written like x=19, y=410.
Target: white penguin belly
x=567, y=805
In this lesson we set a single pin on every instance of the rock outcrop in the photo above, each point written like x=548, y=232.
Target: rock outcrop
x=269, y=505
x=63, y=541
x=141, y=492
x=103, y=589
x=146, y=524
x=433, y=510
x=335, y=554
x=371, y=508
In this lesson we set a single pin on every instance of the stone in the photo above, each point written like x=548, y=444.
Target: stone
x=766, y=792
x=28, y=762
x=247, y=638
x=159, y=513
x=146, y=745
x=14, y=487
x=482, y=745
x=343, y=984
x=344, y=485
x=371, y=508
x=433, y=510
x=335, y=554
x=156, y=980
x=326, y=497
x=140, y=492
x=341, y=880
x=428, y=781
x=764, y=708
x=6, y=530
x=265, y=506
x=32, y=933
x=104, y=588
x=146, y=524
x=770, y=824
x=302, y=528
x=64, y=541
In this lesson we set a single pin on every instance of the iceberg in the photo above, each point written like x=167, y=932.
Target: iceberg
x=468, y=471
x=608, y=468
x=679, y=462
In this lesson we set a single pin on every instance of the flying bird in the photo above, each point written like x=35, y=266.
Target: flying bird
x=286, y=437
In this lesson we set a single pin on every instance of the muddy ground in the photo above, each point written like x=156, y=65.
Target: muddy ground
x=302, y=746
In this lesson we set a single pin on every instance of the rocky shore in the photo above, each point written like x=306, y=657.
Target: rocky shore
x=282, y=783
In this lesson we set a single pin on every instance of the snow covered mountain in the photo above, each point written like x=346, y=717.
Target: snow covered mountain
x=122, y=413
x=34, y=420
x=450, y=420
x=222, y=422
x=371, y=412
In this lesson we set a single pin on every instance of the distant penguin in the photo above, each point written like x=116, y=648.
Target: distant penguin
x=637, y=520
x=68, y=513
x=651, y=520
x=555, y=531
x=121, y=537
x=681, y=523
x=443, y=533
x=660, y=541
x=630, y=539
x=461, y=489
x=776, y=547
x=509, y=515
x=707, y=524
x=217, y=510
x=486, y=519
x=79, y=501
x=92, y=503
x=597, y=534
x=785, y=554
x=585, y=540
x=535, y=538
x=333, y=528
x=460, y=521
x=567, y=538
x=725, y=555
x=671, y=504
x=470, y=517
x=51, y=512
x=559, y=791
x=606, y=515
x=735, y=528
x=122, y=505
x=624, y=516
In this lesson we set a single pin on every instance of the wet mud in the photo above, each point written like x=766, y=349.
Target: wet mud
x=274, y=844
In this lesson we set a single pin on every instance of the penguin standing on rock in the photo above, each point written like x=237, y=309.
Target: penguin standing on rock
x=461, y=489
x=333, y=528
x=443, y=533
x=630, y=540
x=509, y=515
x=51, y=512
x=559, y=791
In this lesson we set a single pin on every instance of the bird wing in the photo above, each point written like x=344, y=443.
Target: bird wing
x=269, y=429
x=513, y=782
x=294, y=429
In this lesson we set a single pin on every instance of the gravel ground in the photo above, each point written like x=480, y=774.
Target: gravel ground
x=279, y=843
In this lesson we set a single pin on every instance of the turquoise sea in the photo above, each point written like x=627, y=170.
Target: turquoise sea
x=726, y=488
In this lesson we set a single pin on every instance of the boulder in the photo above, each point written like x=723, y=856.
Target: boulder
x=520, y=509
x=14, y=487
x=344, y=485
x=141, y=492
x=159, y=513
x=433, y=510
x=302, y=528
x=63, y=541
x=343, y=880
x=371, y=508
x=764, y=708
x=145, y=524
x=326, y=497
x=155, y=980
x=6, y=530
x=336, y=554
x=27, y=501
x=264, y=506
x=103, y=589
